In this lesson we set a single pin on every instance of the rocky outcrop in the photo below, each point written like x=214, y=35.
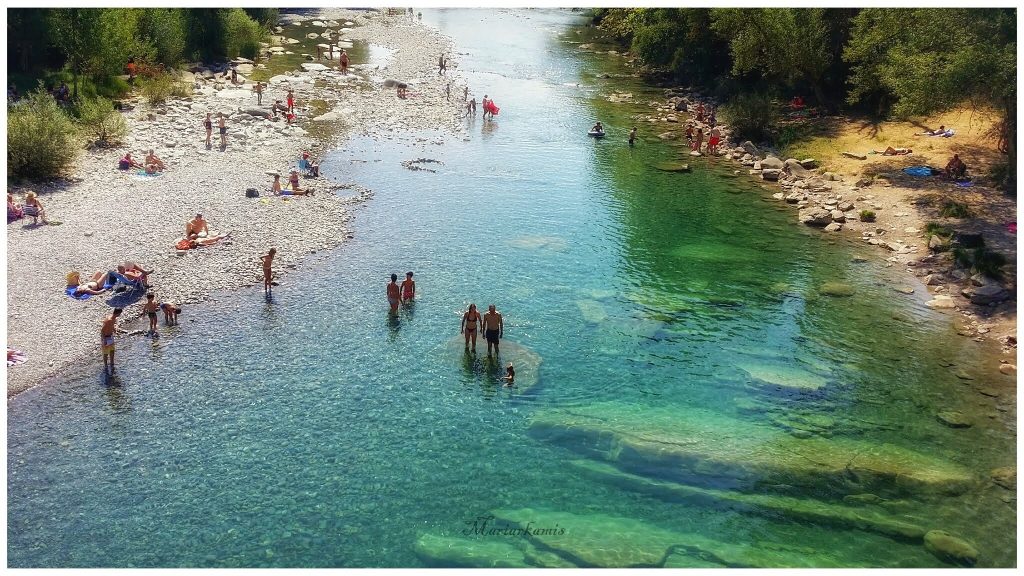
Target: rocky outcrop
x=988, y=294
x=708, y=448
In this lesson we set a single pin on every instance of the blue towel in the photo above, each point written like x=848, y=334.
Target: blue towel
x=965, y=183
x=144, y=173
x=919, y=171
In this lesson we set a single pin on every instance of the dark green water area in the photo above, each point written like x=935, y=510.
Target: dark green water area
x=689, y=391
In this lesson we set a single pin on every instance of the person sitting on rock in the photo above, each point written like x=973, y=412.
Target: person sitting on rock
x=293, y=181
x=955, y=168
x=14, y=211
x=278, y=107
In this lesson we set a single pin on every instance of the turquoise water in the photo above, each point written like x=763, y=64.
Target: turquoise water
x=317, y=430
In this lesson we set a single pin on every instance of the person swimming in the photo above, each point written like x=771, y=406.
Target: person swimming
x=510, y=375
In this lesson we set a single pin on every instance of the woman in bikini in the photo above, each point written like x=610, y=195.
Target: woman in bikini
x=94, y=286
x=470, y=321
x=208, y=124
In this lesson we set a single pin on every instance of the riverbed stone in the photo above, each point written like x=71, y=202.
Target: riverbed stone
x=953, y=419
x=526, y=361
x=770, y=174
x=1005, y=477
x=941, y=302
x=783, y=376
x=833, y=227
x=447, y=552
x=772, y=162
x=749, y=148
x=793, y=167
x=951, y=549
x=770, y=505
x=815, y=217
x=703, y=446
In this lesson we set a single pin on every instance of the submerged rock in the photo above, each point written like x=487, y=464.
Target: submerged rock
x=553, y=243
x=526, y=361
x=444, y=551
x=783, y=376
x=770, y=505
x=600, y=541
x=837, y=289
x=1005, y=477
x=949, y=548
x=592, y=311
x=702, y=446
x=953, y=419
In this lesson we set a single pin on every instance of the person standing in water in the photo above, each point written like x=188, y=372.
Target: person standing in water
x=268, y=274
x=408, y=288
x=394, y=297
x=150, y=309
x=470, y=320
x=632, y=136
x=494, y=328
x=107, y=330
x=344, y=62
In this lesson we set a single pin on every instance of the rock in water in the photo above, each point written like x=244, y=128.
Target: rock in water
x=448, y=552
x=949, y=548
x=837, y=289
x=941, y=302
x=814, y=216
x=953, y=419
x=1005, y=477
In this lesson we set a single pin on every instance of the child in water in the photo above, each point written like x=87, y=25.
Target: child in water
x=171, y=312
x=150, y=309
x=510, y=375
x=268, y=275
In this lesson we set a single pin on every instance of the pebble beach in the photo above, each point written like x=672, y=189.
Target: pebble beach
x=108, y=216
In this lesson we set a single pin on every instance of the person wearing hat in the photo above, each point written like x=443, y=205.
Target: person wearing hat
x=312, y=169
x=33, y=208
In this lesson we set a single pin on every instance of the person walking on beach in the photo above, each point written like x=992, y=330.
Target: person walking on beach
x=408, y=288
x=441, y=65
x=107, y=339
x=494, y=329
x=469, y=325
x=632, y=136
x=343, y=59
x=223, y=131
x=394, y=296
x=448, y=91
x=268, y=274
x=698, y=140
x=258, y=89
x=208, y=124
x=150, y=309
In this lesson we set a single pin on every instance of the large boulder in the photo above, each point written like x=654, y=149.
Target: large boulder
x=749, y=148
x=313, y=67
x=815, y=216
x=771, y=174
x=772, y=162
x=1005, y=477
x=989, y=294
x=949, y=548
x=795, y=169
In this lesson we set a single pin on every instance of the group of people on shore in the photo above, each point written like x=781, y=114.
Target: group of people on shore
x=151, y=164
x=31, y=207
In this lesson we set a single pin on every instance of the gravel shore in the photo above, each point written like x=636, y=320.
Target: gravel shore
x=109, y=216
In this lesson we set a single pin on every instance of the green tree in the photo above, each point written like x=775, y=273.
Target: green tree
x=929, y=59
x=27, y=37
x=95, y=42
x=164, y=30
x=785, y=46
x=41, y=139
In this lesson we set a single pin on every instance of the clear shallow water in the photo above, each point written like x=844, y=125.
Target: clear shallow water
x=318, y=431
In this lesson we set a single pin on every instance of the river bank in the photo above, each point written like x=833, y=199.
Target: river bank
x=835, y=178
x=109, y=216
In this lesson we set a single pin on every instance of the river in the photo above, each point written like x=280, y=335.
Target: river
x=645, y=308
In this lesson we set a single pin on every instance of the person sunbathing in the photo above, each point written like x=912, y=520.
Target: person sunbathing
x=890, y=151
x=134, y=272
x=94, y=286
x=152, y=160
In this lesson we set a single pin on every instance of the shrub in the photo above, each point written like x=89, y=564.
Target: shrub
x=158, y=88
x=867, y=216
x=42, y=140
x=988, y=262
x=99, y=120
x=953, y=209
x=936, y=229
x=750, y=116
